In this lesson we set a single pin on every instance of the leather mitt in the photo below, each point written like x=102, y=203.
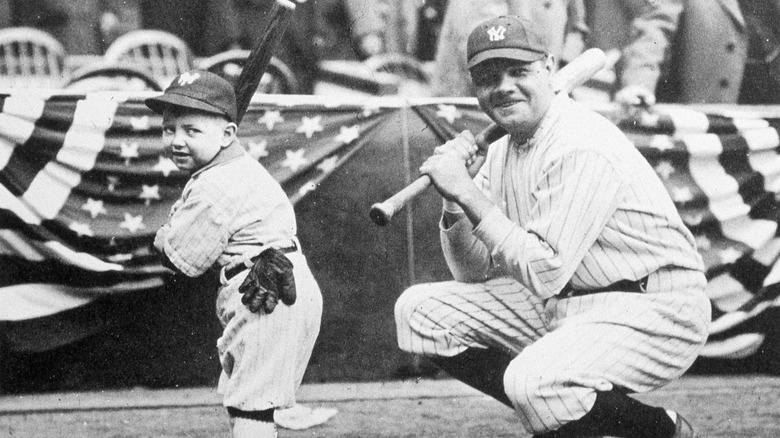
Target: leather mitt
x=269, y=281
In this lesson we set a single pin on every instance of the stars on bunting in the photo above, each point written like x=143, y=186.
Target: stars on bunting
x=81, y=229
x=148, y=193
x=662, y=142
x=111, y=183
x=348, y=134
x=681, y=194
x=664, y=169
x=128, y=151
x=328, y=165
x=270, y=119
x=140, y=123
x=94, y=207
x=258, y=149
x=295, y=159
x=729, y=255
x=448, y=112
x=310, y=125
x=165, y=165
x=133, y=223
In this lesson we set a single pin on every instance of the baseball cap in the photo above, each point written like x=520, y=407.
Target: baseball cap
x=507, y=36
x=199, y=89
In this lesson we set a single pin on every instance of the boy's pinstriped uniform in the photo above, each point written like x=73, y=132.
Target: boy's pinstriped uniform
x=220, y=221
x=576, y=208
x=230, y=217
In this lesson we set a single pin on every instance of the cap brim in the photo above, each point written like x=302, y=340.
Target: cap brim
x=157, y=104
x=506, y=53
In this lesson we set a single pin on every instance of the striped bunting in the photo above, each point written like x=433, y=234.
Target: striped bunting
x=85, y=185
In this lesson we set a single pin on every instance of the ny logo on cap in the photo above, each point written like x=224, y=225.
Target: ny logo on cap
x=496, y=33
x=187, y=78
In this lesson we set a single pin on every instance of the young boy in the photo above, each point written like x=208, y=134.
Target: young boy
x=234, y=219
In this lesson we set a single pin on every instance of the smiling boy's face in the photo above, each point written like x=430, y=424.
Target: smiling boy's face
x=193, y=138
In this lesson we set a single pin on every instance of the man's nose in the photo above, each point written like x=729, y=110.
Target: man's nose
x=505, y=82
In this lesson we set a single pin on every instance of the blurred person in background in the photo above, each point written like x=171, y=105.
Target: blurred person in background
x=413, y=27
x=350, y=29
x=564, y=21
x=117, y=18
x=702, y=51
x=208, y=26
x=74, y=23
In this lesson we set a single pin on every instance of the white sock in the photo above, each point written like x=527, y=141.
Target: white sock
x=245, y=428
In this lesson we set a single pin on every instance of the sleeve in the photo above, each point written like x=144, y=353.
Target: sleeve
x=466, y=255
x=653, y=27
x=574, y=199
x=195, y=235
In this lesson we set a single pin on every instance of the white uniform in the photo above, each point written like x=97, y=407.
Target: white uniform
x=577, y=204
x=228, y=211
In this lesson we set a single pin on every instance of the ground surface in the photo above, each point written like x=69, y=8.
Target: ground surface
x=721, y=406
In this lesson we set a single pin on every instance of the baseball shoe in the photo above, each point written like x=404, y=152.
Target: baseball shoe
x=683, y=428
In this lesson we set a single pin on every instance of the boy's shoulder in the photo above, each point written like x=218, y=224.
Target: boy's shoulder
x=236, y=175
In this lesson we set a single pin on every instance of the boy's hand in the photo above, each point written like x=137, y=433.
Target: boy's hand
x=269, y=280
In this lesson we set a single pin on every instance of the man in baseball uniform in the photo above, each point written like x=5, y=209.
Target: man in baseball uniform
x=576, y=281
x=235, y=221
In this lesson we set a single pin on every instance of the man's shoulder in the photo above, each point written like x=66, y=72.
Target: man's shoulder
x=587, y=126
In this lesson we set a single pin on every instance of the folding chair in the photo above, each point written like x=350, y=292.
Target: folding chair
x=163, y=54
x=106, y=76
x=31, y=58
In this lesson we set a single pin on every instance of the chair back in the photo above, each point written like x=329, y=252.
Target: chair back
x=108, y=76
x=278, y=78
x=412, y=76
x=162, y=54
x=31, y=58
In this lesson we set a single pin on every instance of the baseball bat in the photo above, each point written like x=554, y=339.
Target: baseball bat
x=569, y=77
x=260, y=55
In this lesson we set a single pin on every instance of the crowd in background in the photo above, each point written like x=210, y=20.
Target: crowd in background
x=687, y=51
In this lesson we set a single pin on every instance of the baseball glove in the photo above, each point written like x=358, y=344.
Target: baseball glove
x=269, y=280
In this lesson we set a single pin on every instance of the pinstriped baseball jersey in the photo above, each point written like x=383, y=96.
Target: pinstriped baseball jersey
x=227, y=212
x=220, y=214
x=577, y=204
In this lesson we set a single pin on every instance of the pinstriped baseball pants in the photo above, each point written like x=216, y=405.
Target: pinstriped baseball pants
x=567, y=349
x=264, y=356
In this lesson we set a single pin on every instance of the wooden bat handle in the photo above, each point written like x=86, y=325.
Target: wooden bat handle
x=572, y=75
x=381, y=213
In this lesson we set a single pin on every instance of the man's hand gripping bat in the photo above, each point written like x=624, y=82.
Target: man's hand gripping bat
x=569, y=77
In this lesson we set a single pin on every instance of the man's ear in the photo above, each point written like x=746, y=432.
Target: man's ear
x=229, y=134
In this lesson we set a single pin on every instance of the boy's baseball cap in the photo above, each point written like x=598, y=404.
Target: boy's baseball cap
x=507, y=36
x=199, y=89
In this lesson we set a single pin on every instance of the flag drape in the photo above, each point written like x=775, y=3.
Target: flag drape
x=85, y=185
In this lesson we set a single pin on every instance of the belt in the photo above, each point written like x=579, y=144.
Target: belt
x=636, y=286
x=235, y=270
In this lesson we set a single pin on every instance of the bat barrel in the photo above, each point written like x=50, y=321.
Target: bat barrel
x=261, y=53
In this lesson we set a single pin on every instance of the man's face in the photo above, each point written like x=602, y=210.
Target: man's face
x=515, y=94
x=193, y=138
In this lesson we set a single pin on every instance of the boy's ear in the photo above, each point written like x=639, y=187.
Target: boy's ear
x=229, y=134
